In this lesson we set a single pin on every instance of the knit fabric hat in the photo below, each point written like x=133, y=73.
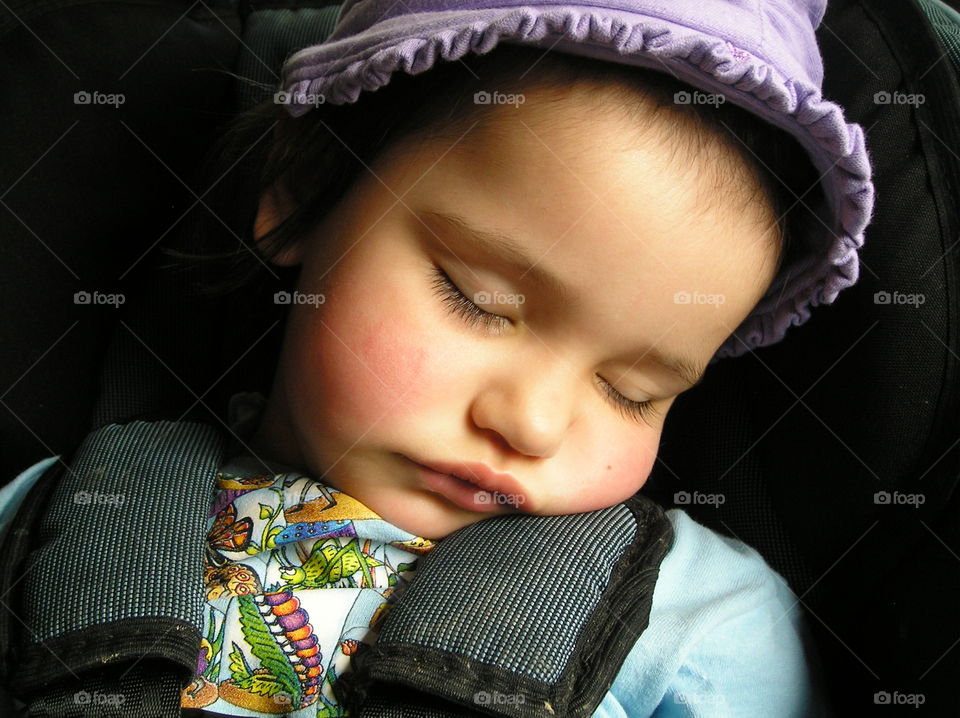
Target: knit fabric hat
x=760, y=54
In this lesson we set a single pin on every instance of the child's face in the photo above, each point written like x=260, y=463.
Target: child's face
x=384, y=371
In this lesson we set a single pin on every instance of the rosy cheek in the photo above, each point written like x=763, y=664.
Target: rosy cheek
x=394, y=352
x=617, y=470
x=359, y=371
x=629, y=466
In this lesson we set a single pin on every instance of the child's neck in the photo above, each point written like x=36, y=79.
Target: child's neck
x=274, y=438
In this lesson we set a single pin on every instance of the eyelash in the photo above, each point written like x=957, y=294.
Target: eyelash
x=458, y=303
x=639, y=411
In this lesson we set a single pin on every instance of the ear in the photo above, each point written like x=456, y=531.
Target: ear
x=275, y=205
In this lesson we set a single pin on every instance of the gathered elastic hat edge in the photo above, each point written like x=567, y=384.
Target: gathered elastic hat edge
x=355, y=59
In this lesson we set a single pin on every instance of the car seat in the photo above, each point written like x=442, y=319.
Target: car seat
x=834, y=452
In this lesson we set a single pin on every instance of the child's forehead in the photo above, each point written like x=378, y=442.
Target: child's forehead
x=572, y=129
x=574, y=166
x=560, y=155
x=606, y=229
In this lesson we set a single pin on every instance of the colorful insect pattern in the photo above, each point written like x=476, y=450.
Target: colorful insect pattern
x=298, y=577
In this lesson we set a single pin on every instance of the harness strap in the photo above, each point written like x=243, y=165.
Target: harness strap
x=519, y=615
x=103, y=588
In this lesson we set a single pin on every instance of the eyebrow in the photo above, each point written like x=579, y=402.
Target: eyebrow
x=512, y=253
x=690, y=371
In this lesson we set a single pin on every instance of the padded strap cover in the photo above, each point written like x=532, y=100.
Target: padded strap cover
x=103, y=591
x=518, y=615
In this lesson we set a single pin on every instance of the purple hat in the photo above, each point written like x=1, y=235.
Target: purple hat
x=760, y=54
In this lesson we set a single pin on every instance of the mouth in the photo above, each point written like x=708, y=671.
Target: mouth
x=469, y=494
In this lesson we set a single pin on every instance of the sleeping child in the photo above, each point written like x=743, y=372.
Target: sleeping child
x=518, y=234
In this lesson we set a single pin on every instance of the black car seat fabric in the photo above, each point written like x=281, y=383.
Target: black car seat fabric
x=86, y=190
x=269, y=36
x=816, y=451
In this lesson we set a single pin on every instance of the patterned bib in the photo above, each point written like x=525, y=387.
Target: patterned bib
x=298, y=576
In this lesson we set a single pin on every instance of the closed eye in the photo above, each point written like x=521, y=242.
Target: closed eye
x=458, y=303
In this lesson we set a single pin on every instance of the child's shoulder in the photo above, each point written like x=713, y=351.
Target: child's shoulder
x=713, y=559
x=709, y=579
x=725, y=632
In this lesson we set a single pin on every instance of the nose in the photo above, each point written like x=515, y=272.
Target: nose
x=528, y=408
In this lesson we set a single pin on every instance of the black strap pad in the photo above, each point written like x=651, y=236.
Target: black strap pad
x=518, y=615
x=105, y=600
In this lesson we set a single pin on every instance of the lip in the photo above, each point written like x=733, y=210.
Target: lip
x=474, y=485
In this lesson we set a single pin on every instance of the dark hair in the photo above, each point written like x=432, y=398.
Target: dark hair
x=317, y=157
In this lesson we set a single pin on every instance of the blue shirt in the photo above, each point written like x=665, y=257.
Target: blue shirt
x=726, y=638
